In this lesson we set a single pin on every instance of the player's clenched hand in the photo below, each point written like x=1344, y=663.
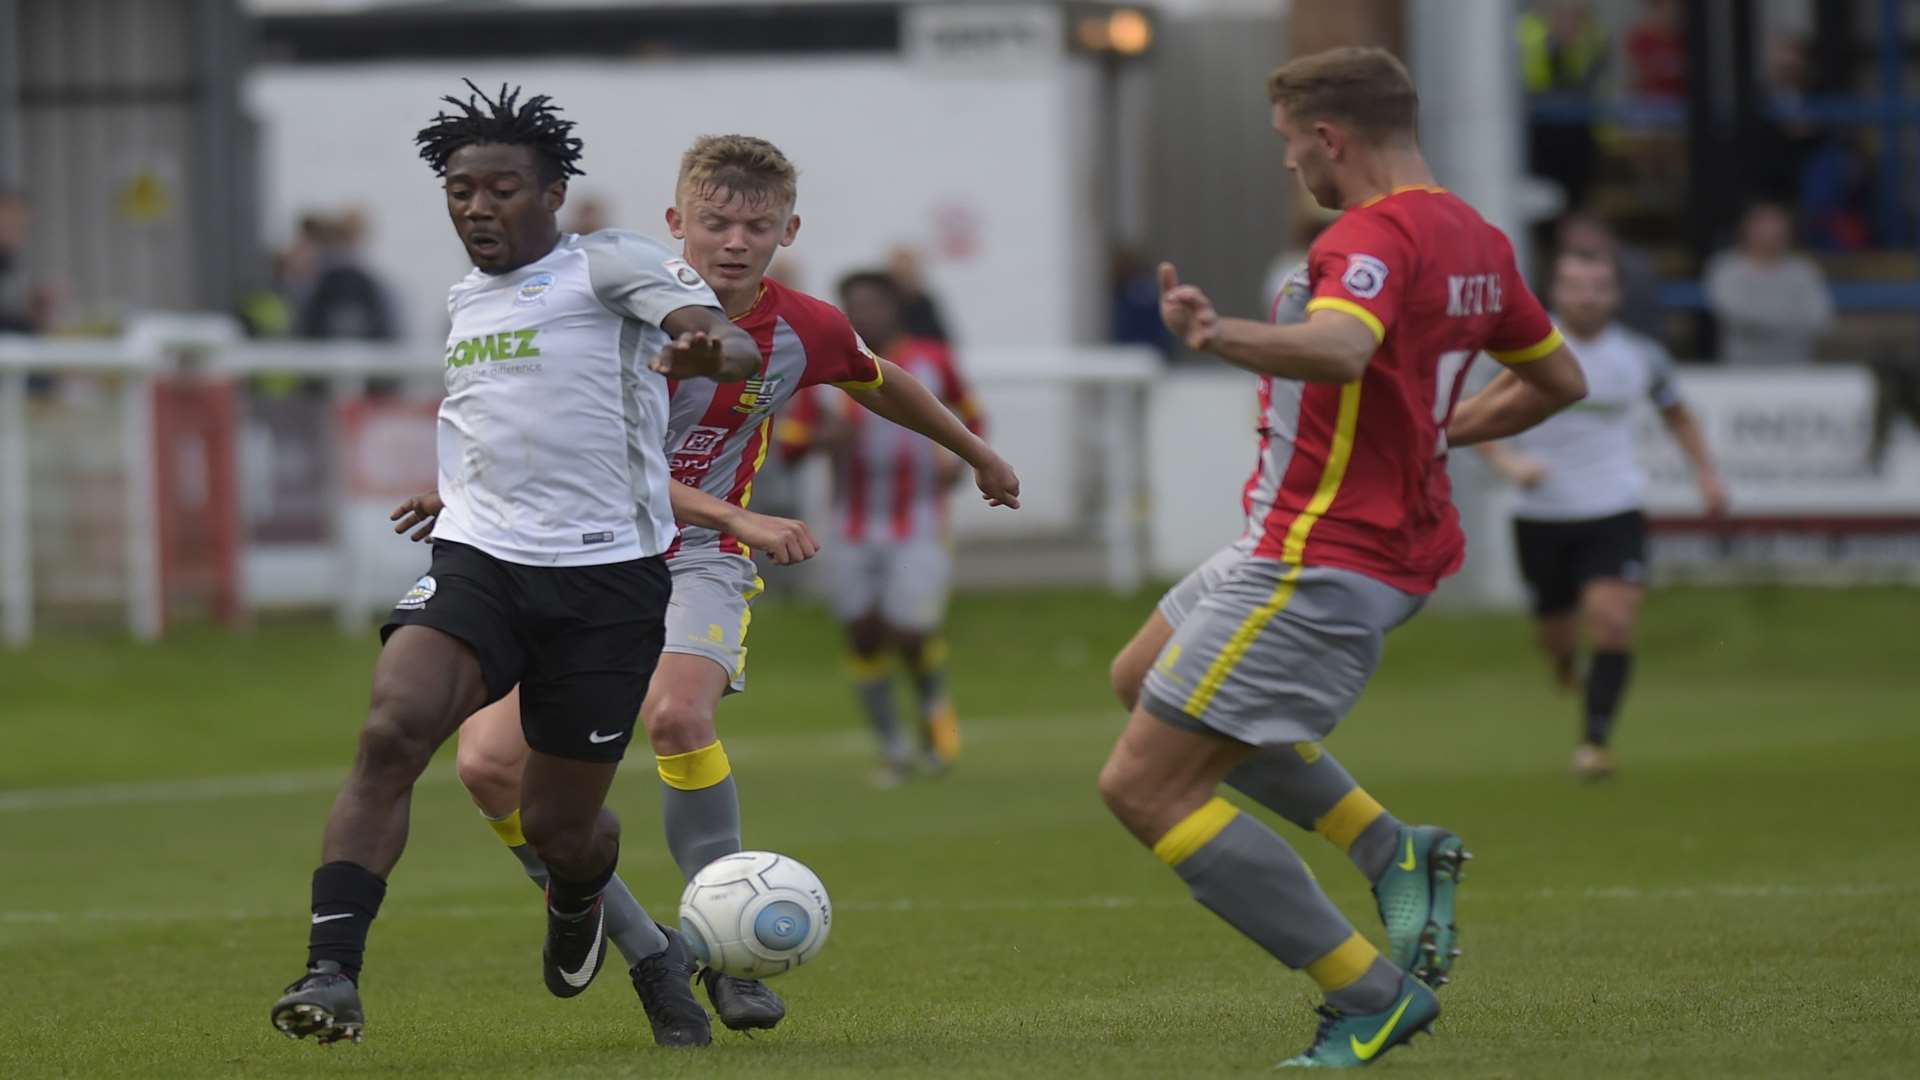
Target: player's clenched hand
x=690, y=356
x=998, y=483
x=1186, y=310
x=421, y=510
x=785, y=540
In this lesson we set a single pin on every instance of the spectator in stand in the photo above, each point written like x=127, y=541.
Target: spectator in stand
x=13, y=237
x=1772, y=302
x=1135, y=296
x=343, y=301
x=922, y=318
x=1562, y=56
x=588, y=215
x=1657, y=52
x=1586, y=234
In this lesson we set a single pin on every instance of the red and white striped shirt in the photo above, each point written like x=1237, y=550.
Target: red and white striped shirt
x=718, y=434
x=886, y=478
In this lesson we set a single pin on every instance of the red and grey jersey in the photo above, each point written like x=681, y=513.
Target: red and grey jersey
x=718, y=434
x=886, y=483
x=1354, y=476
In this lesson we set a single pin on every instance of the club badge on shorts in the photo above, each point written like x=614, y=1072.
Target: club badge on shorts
x=418, y=596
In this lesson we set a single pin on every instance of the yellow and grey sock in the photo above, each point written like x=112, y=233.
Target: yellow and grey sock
x=1243, y=872
x=928, y=671
x=629, y=927
x=1307, y=786
x=700, y=806
x=873, y=686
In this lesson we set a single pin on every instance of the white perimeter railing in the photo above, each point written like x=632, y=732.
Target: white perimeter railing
x=1038, y=401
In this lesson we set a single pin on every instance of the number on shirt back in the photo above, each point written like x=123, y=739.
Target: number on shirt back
x=1449, y=374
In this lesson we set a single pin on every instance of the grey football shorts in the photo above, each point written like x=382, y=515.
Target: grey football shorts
x=1267, y=653
x=711, y=609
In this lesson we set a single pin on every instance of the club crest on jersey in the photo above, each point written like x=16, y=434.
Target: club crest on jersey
x=684, y=274
x=1365, y=276
x=757, y=394
x=534, y=290
x=418, y=596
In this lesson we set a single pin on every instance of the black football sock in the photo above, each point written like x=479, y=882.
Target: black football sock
x=573, y=899
x=346, y=897
x=1606, y=683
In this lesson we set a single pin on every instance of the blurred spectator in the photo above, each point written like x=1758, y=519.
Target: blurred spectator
x=344, y=300
x=13, y=239
x=1135, y=318
x=1583, y=233
x=1836, y=194
x=1775, y=146
x=1562, y=56
x=589, y=215
x=1772, y=303
x=923, y=319
x=1657, y=52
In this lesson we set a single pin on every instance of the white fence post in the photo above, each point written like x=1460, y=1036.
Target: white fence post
x=16, y=529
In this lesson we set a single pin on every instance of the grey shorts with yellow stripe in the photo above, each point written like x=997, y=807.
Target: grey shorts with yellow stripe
x=711, y=609
x=1270, y=653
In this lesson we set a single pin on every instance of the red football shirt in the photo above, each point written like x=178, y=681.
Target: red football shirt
x=1355, y=476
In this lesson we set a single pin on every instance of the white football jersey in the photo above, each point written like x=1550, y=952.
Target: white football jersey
x=1588, y=448
x=552, y=431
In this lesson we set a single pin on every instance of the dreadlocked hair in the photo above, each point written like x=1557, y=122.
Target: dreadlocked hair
x=504, y=120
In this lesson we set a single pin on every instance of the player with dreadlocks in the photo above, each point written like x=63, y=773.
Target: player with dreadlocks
x=547, y=570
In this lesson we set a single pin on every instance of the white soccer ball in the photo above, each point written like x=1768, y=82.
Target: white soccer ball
x=753, y=914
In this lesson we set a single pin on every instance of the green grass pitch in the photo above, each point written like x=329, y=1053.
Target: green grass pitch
x=1739, y=903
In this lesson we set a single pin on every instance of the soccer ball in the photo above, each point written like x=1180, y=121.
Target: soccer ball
x=754, y=913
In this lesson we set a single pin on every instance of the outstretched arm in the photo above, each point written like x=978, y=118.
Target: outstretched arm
x=904, y=400
x=1331, y=346
x=1518, y=398
x=706, y=345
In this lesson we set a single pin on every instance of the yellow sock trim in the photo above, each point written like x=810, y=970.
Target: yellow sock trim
x=1349, y=817
x=508, y=829
x=695, y=769
x=1194, y=832
x=933, y=655
x=866, y=669
x=1343, y=966
x=1309, y=752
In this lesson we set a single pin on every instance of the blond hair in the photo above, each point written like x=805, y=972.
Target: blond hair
x=1366, y=87
x=737, y=165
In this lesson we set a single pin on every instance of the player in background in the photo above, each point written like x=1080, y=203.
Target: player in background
x=733, y=209
x=892, y=557
x=1578, y=525
x=548, y=557
x=1350, y=525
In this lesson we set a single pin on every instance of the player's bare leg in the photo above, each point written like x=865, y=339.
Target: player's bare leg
x=700, y=804
x=1558, y=636
x=925, y=658
x=1609, y=607
x=424, y=684
x=870, y=665
x=1136, y=657
x=492, y=756
x=1161, y=782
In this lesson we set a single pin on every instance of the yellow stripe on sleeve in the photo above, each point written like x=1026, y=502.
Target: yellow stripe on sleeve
x=1348, y=307
x=1194, y=831
x=1343, y=966
x=508, y=829
x=879, y=374
x=1348, y=818
x=1534, y=352
x=695, y=769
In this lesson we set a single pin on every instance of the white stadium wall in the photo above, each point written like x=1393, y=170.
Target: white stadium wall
x=983, y=169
